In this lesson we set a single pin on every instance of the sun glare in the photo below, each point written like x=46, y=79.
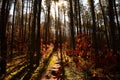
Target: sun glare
x=62, y=3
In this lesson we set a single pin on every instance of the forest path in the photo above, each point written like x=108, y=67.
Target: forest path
x=18, y=67
x=49, y=68
x=53, y=66
x=53, y=72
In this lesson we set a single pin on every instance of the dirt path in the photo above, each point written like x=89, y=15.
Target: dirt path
x=53, y=66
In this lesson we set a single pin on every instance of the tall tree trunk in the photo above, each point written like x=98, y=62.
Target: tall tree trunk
x=64, y=33
x=117, y=20
x=12, y=37
x=76, y=15
x=115, y=10
x=112, y=26
x=26, y=20
x=61, y=55
x=38, y=34
x=48, y=23
x=72, y=26
x=105, y=23
x=56, y=30
x=3, y=39
x=32, y=44
x=60, y=46
x=79, y=12
x=29, y=23
x=94, y=38
x=22, y=20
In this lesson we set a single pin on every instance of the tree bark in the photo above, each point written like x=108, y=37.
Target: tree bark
x=117, y=20
x=32, y=44
x=112, y=26
x=79, y=12
x=94, y=38
x=38, y=34
x=72, y=26
x=12, y=37
x=3, y=39
x=105, y=23
x=76, y=15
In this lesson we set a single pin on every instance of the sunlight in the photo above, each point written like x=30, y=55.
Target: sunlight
x=62, y=3
x=59, y=4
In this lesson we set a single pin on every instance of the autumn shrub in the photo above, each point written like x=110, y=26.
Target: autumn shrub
x=87, y=60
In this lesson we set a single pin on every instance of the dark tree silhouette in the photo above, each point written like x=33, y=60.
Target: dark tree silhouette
x=79, y=12
x=94, y=38
x=38, y=43
x=32, y=44
x=105, y=23
x=12, y=35
x=72, y=25
x=3, y=39
x=112, y=26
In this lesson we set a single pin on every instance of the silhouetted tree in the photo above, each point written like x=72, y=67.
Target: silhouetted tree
x=38, y=43
x=32, y=43
x=94, y=38
x=3, y=39
x=12, y=37
x=72, y=25
x=112, y=26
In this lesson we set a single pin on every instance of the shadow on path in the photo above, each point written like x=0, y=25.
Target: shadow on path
x=29, y=74
x=46, y=63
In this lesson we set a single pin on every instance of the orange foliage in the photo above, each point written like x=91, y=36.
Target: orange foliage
x=103, y=59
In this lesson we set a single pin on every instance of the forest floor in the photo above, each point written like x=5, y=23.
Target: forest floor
x=17, y=68
x=50, y=67
x=54, y=66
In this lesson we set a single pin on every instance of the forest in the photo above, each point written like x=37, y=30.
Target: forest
x=59, y=39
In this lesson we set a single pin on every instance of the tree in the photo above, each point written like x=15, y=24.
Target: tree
x=94, y=38
x=105, y=23
x=32, y=43
x=112, y=26
x=56, y=27
x=76, y=14
x=22, y=20
x=3, y=39
x=79, y=12
x=117, y=18
x=72, y=26
x=117, y=23
x=47, y=25
x=26, y=20
x=12, y=37
x=38, y=33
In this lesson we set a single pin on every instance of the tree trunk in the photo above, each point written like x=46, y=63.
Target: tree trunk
x=94, y=38
x=79, y=11
x=38, y=34
x=56, y=30
x=48, y=23
x=72, y=26
x=22, y=22
x=118, y=25
x=3, y=39
x=112, y=26
x=29, y=23
x=12, y=37
x=32, y=44
x=26, y=20
x=76, y=15
x=105, y=23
